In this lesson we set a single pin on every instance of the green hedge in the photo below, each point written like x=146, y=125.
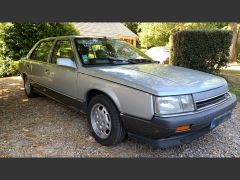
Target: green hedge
x=238, y=52
x=8, y=68
x=203, y=50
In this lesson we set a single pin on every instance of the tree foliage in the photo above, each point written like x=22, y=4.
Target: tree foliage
x=158, y=34
x=8, y=68
x=2, y=46
x=203, y=26
x=133, y=26
x=19, y=38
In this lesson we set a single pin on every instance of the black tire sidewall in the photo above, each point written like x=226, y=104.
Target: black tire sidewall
x=117, y=133
x=31, y=93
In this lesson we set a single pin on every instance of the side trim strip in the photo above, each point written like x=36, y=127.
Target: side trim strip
x=33, y=82
x=70, y=102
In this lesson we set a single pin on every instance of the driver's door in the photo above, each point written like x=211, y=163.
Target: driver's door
x=63, y=79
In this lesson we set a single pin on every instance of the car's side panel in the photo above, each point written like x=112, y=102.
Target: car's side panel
x=37, y=73
x=69, y=101
x=62, y=80
x=128, y=100
x=24, y=66
x=33, y=70
x=36, y=69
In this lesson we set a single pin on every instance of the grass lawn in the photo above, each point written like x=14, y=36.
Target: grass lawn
x=233, y=78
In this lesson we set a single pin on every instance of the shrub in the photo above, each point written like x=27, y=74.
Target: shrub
x=156, y=34
x=8, y=68
x=20, y=37
x=203, y=50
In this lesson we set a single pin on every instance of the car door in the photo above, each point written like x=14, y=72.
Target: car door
x=39, y=59
x=62, y=79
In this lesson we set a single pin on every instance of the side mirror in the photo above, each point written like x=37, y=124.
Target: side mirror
x=67, y=62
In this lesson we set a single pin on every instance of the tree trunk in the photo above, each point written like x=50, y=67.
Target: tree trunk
x=233, y=47
x=181, y=25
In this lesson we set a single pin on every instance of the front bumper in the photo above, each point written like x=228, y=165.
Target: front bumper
x=161, y=131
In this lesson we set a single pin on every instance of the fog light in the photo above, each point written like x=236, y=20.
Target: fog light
x=183, y=128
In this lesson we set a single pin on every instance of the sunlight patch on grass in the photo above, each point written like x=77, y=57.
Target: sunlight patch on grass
x=233, y=79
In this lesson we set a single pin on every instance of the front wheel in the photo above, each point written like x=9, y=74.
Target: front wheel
x=104, y=121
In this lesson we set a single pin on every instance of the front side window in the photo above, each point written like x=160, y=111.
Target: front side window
x=62, y=49
x=97, y=51
x=42, y=51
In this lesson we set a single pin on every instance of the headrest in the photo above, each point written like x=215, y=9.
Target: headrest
x=82, y=49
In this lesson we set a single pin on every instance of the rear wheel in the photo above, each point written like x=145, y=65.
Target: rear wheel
x=104, y=121
x=29, y=91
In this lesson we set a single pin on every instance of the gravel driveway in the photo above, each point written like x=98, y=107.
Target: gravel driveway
x=41, y=127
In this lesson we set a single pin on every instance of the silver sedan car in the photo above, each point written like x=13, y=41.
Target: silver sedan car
x=124, y=92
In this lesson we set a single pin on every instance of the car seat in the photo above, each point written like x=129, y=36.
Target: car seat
x=101, y=54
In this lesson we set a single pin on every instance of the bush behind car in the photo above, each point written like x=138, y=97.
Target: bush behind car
x=203, y=50
x=8, y=68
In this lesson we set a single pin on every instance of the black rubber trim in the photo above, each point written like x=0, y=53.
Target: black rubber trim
x=161, y=132
x=72, y=103
x=181, y=138
x=171, y=141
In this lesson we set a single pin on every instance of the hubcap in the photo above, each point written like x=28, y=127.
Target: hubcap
x=27, y=85
x=100, y=120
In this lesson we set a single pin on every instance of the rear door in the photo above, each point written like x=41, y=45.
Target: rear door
x=39, y=60
x=63, y=80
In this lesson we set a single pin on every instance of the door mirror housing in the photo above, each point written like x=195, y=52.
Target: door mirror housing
x=67, y=62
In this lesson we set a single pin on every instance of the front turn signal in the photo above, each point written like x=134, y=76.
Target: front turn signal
x=183, y=128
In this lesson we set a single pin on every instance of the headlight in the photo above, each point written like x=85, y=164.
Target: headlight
x=174, y=104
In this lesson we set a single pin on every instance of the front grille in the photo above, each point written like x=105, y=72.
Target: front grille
x=212, y=101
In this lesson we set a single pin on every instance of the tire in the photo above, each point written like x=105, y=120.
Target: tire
x=114, y=132
x=28, y=88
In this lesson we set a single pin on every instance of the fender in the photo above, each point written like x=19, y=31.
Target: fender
x=108, y=91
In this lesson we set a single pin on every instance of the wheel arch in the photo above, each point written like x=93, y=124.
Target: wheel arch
x=110, y=94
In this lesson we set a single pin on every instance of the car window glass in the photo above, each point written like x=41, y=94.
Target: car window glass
x=42, y=51
x=62, y=49
x=93, y=51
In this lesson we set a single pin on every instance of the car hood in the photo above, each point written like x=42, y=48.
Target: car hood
x=158, y=79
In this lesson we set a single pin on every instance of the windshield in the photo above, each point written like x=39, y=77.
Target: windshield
x=100, y=51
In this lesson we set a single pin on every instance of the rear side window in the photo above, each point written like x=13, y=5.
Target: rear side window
x=42, y=51
x=62, y=49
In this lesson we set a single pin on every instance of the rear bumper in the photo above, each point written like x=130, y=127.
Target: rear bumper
x=161, y=131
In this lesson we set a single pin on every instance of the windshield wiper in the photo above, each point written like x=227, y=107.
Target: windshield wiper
x=137, y=61
x=112, y=60
x=121, y=61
